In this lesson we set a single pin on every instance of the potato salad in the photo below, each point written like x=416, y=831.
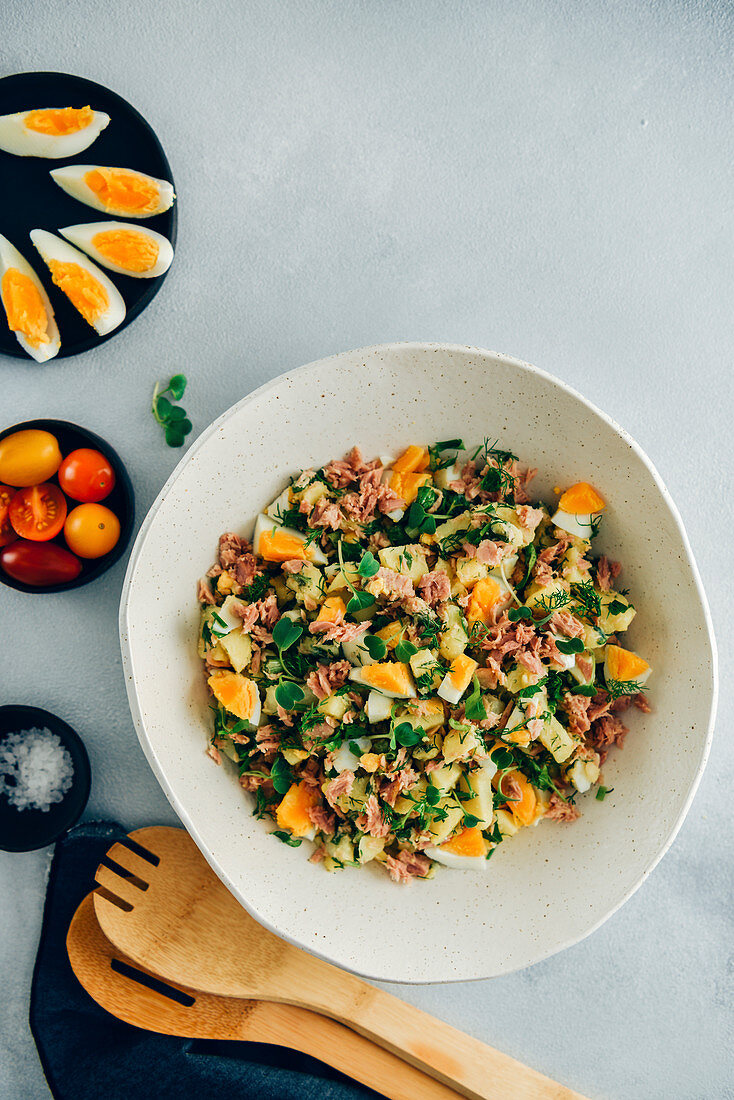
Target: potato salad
x=412, y=659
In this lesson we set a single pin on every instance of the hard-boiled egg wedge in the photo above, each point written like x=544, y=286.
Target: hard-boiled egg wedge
x=123, y=247
x=274, y=542
x=51, y=132
x=378, y=707
x=457, y=679
x=487, y=597
x=120, y=191
x=463, y=852
x=345, y=760
x=392, y=678
x=28, y=311
x=237, y=694
x=624, y=666
x=577, y=510
x=87, y=288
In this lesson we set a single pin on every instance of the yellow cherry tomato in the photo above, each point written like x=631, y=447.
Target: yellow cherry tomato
x=28, y=457
x=91, y=530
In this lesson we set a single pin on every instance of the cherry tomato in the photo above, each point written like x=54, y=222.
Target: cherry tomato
x=28, y=457
x=91, y=530
x=39, y=563
x=86, y=475
x=7, y=534
x=38, y=512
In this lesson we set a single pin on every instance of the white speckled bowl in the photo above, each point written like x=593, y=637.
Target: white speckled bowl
x=546, y=888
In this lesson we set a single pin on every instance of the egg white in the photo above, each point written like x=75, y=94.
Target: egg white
x=267, y=523
x=53, y=248
x=378, y=707
x=71, y=179
x=642, y=678
x=344, y=759
x=10, y=257
x=18, y=139
x=452, y=692
x=582, y=525
x=81, y=235
x=455, y=861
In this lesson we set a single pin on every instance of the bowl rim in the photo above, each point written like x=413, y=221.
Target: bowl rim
x=189, y=825
x=100, y=565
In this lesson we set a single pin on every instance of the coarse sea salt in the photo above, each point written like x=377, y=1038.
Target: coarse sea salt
x=35, y=769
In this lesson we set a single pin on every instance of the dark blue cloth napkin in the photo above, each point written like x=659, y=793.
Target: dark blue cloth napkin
x=89, y=1055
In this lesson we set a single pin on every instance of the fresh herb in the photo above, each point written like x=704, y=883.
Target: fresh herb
x=375, y=646
x=369, y=565
x=418, y=519
x=588, y=597
x=616, y=607
x=531, y=557
x=584, y=689
x=404, y=650
x=360, y=600
x=286, y=633
x=474, y=708
x=281, y=774
x=258, y=588
x=602, y=793
x=554, y=690
x=433, y=795
x=288, y=694
x=172, y=418
x=437, y=459
x=617, y=688
x=291, y=841
x=406, y=735
x=517, y=613
x=471, y=821
x=570, y=645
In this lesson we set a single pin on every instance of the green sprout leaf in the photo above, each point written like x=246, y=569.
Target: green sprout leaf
x=286, y=633
x=474, y=708
x=517, y=613
x=375, y=646
x=177, y=386
x=291, y=841
x=288, y=695
x=172, y=418
x=281, y=775
x=369, y=565
x=404, y=650
x=572, y=645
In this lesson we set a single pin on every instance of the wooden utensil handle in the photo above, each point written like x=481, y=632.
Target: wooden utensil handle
x=472, y=1068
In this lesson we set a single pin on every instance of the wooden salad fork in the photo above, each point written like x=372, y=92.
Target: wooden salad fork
x=140, y=998
x=160, y=903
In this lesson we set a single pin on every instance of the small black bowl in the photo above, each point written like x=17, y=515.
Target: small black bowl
x=121, y=501
x=26, y=830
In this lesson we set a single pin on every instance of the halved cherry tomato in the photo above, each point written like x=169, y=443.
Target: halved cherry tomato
x=91, y=530
x=38, y=512
x=7, y=534
x=28, y=457
x=86, y=475
x=39, y=563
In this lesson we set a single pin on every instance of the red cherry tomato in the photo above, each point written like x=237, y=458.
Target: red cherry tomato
x=38, y=512
x=86, y=475
x=39, y=563
x=7, y=534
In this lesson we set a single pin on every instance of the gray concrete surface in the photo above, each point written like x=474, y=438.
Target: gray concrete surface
x=548, y=179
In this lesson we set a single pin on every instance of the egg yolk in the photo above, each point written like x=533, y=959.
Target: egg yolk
x=485, y=594
x=625, y=665
x=24, y=307
x=461, y=671
x=58, y=121
x=82, y=289
x=279, y=546
x=292, y=813
x=331, y=609
x=581, y=500
x=128, y=248
x=389, y=677
x=469, y=842
x=236, y=693
x=120, y=189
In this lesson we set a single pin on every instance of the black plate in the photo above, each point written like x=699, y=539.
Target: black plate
x=29, y=199
x=121, y=501
x=26, y=830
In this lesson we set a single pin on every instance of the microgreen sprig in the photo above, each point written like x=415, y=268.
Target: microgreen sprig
x=368, y=566
x=172, y=418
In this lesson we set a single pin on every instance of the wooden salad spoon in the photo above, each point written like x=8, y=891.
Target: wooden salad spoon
x=140, y=998
x=159, y=902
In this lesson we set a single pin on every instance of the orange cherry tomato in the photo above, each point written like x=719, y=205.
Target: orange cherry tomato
x=28, y=457
x=7, y=534
x=39, y=563
x=91, y=530
x=86, y=475
x=38, y=512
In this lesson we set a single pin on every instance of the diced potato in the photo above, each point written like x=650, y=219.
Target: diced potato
x=570, y=568
x=506, y=523
x=307, y=583
x=428, y=714
x=238, y=647
x=469, y=571
x=424, y=663
x=535, y=593
x=270, y=706
x=409, y=561
x=338, y=583
x=335, y=706
x=583, y=774
x=506, y=823
x=369, y=847
x=481, y=805
x=283, y=593
x=446, y=777
x=615, y=624
x=295, y=756
x=460, y=745
x=557, y=740
x=225, y=583
x=440, y=830
x=454, y=637
x=230, y=751
x=406, y=801
x=312, y=493
x=356, y=652
x=519, y=678
x=578, y=675
x=453, y=526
